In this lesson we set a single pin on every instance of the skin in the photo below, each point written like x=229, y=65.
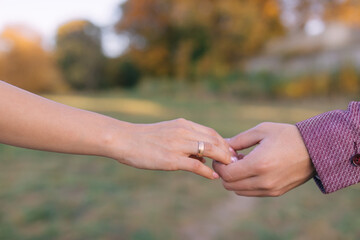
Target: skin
x=31, y=121
x=278, y=163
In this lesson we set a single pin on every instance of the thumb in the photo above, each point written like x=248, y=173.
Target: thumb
x=246, y=139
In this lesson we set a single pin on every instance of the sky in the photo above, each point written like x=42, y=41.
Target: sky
x=45, y=16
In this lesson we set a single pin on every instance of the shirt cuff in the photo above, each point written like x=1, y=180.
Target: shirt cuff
x=329, y=139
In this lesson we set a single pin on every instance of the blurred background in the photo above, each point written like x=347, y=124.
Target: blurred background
x=226, y=64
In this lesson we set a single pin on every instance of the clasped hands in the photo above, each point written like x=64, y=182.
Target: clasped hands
x=278, y=162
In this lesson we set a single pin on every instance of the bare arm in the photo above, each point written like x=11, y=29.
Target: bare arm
x=30, y=121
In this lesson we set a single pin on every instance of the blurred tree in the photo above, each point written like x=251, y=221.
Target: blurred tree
x=24, y=63
x=79, y=54
x=186, y=38
x=346, y=11
x=122, y=72
x=349, y=80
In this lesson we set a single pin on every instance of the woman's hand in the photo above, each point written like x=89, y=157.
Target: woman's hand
x=171, y=145
x=30, y=121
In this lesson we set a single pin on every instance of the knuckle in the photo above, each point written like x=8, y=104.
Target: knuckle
x=182, y=121
x=264, y=126
x=226, y=176
x=216, y=141
x=196, y=166
x=275, y=193
x=209, y=147
x=173, y=165
x=212, y=132
x=268, y=185
x=226, y=186
x=260, y=169
x=264, y=166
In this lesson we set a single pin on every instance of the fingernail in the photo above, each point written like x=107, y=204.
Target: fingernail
x=215, y=175
x=232, y=151
x=234, y=159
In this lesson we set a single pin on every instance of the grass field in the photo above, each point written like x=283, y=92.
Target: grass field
x=56, y=196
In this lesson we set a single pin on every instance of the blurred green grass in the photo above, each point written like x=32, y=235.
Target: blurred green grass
x=57, y=196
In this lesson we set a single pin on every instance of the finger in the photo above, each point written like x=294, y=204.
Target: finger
x=236, y=171
x=211, y=151
x=247, y=184
x=246, y=139
x=258, y=193
x=220, y=141
x=232, y=151
x=256, y=184
x=201, y=159
x=197, y=167
x=268, y=193
x=215, y=147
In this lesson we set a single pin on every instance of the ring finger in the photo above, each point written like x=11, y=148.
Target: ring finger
x=209, y=150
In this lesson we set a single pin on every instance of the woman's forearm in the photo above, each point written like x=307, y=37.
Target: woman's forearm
x=31, y=121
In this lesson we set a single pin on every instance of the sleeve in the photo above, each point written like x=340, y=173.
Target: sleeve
x=332, y=140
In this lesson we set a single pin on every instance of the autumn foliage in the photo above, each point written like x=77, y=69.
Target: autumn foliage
x=205, y=42
x=189, y=39
x=25, y=63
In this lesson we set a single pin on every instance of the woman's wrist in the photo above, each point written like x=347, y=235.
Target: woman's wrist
x=115, y=138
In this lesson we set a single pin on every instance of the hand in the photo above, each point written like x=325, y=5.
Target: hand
x=279, y=163
x=30, y=121
x=171, y=145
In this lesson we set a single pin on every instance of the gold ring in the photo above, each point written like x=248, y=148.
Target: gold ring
x=201, y=148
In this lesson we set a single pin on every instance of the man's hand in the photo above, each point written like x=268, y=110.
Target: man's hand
x=279, y=163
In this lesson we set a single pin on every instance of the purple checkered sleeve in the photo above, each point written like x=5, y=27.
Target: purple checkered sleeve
x=329, y=139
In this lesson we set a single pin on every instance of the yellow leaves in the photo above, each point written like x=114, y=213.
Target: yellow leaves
x=297, y=89
x=350, y=15
x=271, y=9
x=182, y=35
x=26, y=64
x=72, y=26
x=345, y=80
x=347, y=11
x=154, y=59
x=20, y=39
x=316, y=84
x=349, y=80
